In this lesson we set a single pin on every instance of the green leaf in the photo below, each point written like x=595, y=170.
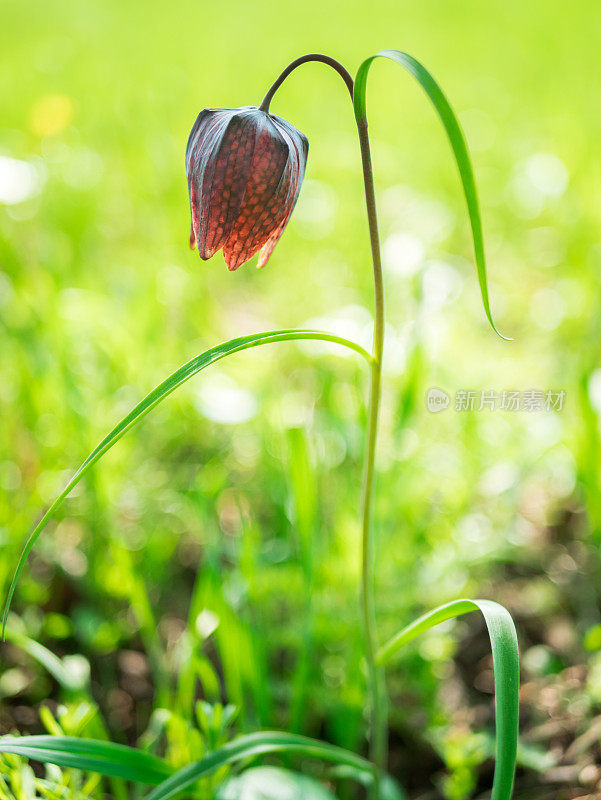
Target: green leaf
x=164, y=389
x=273, y=783
x=458, y=143
x=70, y=679
x=90, y=755
x=506, y=665
x=256, y=744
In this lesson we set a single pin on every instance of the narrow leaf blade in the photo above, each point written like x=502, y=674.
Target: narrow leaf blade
x=458, y=143
x=151, y=400
x=256, y=744
x=52, y=663
x=90, y=755
x=504, y=642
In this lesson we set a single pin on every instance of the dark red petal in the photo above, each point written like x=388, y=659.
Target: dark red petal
x=224, y=188
x=268, y=220
x=269, y=244
x=259, y=211
x=200, y=153
x=200, y=122
x=296, y=164
x=197, y=152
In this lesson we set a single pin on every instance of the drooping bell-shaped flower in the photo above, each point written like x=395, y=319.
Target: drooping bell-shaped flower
x=245, y=168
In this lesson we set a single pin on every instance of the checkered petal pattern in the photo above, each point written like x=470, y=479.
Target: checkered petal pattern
x=245, y=168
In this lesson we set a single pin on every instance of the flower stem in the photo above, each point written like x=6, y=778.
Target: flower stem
x=331, y=62
x=377, y=686
x=378, y=734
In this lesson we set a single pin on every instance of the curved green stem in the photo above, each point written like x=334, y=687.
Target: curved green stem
x=378, y=733
x=379, y=712
x=379, y=725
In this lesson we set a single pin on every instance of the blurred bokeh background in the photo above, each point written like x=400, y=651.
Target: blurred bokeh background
x=220, y=538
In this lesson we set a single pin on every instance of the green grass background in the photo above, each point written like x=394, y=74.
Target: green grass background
x=257, y=520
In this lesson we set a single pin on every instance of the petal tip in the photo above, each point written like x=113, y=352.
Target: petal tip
x=263, y=259
x=232, y=266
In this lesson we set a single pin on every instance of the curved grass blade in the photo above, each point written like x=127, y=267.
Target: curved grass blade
x=164, y=389
x=506, y=665
x=458, y=143
x=51, y=663
x=90, y=755
x=256, y=744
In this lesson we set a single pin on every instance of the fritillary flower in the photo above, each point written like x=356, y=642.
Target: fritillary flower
x=245, y=168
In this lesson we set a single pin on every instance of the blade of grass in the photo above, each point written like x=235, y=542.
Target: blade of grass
x=506, y=666
x=73, y=682
x=458, y=143
x=164, y=389
x=256, y=744
x=51, y=663
x=90, y=755
x=302, y=484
